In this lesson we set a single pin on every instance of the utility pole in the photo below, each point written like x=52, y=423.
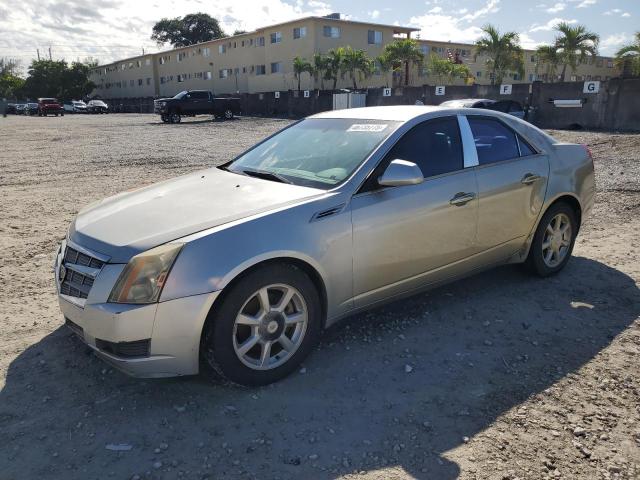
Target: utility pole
x=50, y=59
x=38, y=52
x=142, y=50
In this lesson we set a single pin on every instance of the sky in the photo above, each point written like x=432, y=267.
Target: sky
x=109, y=30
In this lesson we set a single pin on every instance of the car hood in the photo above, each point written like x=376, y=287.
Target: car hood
x=131, y=222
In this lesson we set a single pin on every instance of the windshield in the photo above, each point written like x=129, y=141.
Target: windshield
x=181, y=94
x=317, y=152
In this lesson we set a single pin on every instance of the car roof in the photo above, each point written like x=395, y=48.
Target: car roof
x=402, y=113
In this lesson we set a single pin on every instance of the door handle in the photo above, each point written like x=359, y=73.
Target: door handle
x=530, y=178
x=462, y=198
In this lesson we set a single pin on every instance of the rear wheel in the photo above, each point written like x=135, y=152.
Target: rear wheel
x=264, y=326
x=228, y=114
x=553, y=241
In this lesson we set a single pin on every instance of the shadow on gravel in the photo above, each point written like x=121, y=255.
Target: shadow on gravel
x=189, y=121
x=398, y=387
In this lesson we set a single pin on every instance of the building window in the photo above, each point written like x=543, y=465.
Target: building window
x=599, y=63
x=224, y=73
x=261, y=70
x=181, y=77
x=182, y=56
x=374, y=37
x=276, y=67
x=139, y=82
x=609, y=63
x=165, y=59
x=532, y=77
x=299, y=32
x=138, y=63
x=424, y=49
x=147, y=62
x=478, y=74
x=206, y=52
x=260, y=41
x=244, y=69
x=533, y=59
x=331, y=32
x=207, y=75
x=123, y=66
x=222, y=49
x=276, y=37
x=130, y=64
x=516, y=76
x=148, y=81
x=131, y=83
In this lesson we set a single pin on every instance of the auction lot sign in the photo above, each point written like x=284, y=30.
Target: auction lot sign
x=591, y=87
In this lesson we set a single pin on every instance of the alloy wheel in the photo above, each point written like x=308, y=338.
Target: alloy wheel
x=270, y=327
x=557, y=240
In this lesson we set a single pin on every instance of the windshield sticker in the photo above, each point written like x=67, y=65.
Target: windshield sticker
x=367, y=127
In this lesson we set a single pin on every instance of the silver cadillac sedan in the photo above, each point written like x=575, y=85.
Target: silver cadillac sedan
x=235, y=270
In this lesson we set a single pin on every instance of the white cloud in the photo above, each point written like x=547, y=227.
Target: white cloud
x=626, y=14
x=528, y=43
x=374, y=14
x=613, y=42
x=436, y=25
x=586, y=3
x=550, y=25
x=558, y=7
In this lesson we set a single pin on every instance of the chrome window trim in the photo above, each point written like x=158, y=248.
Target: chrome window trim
x=469, y=150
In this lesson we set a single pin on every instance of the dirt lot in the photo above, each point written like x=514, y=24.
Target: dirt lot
x=500, y=376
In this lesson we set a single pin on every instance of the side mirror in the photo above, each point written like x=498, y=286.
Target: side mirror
x=401, y=172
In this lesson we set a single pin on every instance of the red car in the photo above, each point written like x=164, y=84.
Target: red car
x=48, y=106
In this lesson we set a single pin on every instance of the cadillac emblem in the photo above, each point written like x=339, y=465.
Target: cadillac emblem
x=62, y=273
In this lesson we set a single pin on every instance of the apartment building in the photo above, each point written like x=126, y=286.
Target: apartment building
x=262, y=61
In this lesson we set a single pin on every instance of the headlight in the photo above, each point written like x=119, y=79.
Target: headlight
x=142, y=279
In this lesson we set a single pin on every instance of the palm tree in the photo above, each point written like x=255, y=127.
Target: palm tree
x=405, y=51
x=574, y=44
x=320, y=64
x=334, y=65
x=301, y=66
x=355, y=62
x=385, y=64
x=547, y=55
x=631, y=54
x=503, y=51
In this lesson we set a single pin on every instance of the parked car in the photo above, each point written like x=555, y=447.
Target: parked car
x=196, y=102
x=97, y=106
x=31, y=109
x=20, y=107
x=239, y=267
x=11, y=108
x=75, y=106
x=507, y=106
x=49, y=106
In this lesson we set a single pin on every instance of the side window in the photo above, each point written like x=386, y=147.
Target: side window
x=435, y=146
x=525, y=148
x=494, y=141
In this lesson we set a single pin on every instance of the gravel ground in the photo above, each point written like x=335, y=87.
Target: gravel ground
x=500, y=376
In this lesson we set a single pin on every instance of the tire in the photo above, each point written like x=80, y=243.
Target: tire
x=223, y=338
x=542, y=259
x=174, y=117
x=228, y=114
x=164, y=118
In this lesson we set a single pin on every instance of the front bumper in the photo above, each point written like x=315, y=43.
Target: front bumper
x=156, y=340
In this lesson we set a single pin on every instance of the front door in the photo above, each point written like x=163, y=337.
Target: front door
x=400, y=234
x=512, y=181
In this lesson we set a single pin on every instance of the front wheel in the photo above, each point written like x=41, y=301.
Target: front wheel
x=174, y=117
x=264, y=326
x=228, y=114
x=553, y=241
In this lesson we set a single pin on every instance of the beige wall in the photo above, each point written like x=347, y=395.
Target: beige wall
x=201, y=71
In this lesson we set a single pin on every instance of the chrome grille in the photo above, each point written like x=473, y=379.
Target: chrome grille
x=75, y=283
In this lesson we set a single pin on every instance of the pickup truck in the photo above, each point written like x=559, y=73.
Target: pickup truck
x=196, y=102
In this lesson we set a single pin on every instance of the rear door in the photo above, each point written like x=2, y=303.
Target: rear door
x=512, y=180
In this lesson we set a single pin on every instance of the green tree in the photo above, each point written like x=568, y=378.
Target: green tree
x=630, y=55
x=320, y=68
x=10, y=83
x=385, y=64
x=547, y=58
x=355, y=63
x=504, y=53
x=574, y=45
x=188, y=30
x=55, y=78
x=239, y=31
x=334, y=65
x=446, y=69
x=404, y=51
x=301, y=66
